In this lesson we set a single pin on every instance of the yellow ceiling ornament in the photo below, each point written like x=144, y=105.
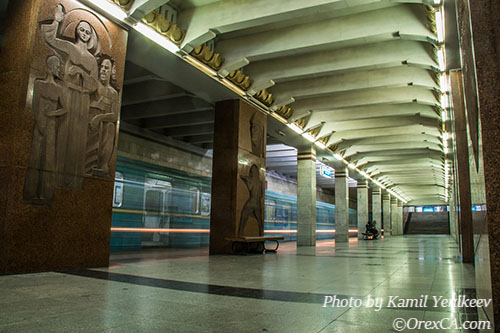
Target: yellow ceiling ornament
x=163, y=26
x=208, y=56
x=265, y=97
x=240, y=79
x=285, y=111
x=125, y=4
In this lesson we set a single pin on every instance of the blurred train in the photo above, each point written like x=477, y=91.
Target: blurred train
x=154, y=206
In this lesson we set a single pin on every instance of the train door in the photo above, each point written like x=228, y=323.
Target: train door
x=156, y=199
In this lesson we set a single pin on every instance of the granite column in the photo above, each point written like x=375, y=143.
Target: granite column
x=57, y=153
x=394, y=216
x=386, y=211
x=306, y=197
x=362, y=207
x=341, y=205
x=239, y=174
x=377, y=208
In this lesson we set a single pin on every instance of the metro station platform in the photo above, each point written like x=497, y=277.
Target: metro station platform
x=189, y=291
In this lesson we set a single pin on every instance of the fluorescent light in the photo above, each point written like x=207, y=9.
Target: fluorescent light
x=295, y=128
x=156, y=37
x=443, y=80
x=280, y=118
x=110, y=8
x=441, y=61
x=338, y=157
x=309, y=137
x=320, y=144
x=440, y=26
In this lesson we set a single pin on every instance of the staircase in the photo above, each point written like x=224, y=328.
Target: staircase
x=427, y=223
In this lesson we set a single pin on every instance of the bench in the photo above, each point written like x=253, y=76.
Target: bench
x=253, y=243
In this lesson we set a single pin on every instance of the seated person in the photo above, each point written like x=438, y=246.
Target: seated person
x=370, y=229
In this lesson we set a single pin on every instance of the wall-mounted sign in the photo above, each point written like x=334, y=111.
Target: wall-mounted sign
x=326, y=171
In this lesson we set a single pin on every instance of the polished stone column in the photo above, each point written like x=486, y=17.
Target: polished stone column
x=400, y=217
x=238, y=174
x=377, y=208
x=463, y=172
x=306, y=197
x=485, y=21
x=386, y=211
x=341, y=205
x=59, y=106
x=362, y=206
x=394, y=216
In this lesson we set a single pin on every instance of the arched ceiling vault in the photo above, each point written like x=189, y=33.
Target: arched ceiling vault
x=360, y=76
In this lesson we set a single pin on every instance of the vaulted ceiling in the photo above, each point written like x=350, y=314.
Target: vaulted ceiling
x=361, y=78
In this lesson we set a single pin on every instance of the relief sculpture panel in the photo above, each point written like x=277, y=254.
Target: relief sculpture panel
x=75, y=106
x=251, y=175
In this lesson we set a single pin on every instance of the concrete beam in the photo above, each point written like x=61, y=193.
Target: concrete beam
x=189, y=130
x=367, y=97
x=378, y=55
x=165, y=107
x=393, y=77
x=153, y=89
x=186, y=119
x=334, y=33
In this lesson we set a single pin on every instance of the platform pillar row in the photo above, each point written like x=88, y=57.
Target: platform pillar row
x=400, y=218
x=306, y=197
x=386, y=211
x=394, y=217
x=362, y=207
x=377, y=208
x=341, y=205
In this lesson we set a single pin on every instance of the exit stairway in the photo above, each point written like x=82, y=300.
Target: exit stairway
x=428, y=223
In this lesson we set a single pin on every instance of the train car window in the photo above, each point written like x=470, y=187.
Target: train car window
x=283, y=211
x=153, y=201
x=196, y=199
x=270, y=209
x=156, y=195
x=205, y=204
x=118, y=190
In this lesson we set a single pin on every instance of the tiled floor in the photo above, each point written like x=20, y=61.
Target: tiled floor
x=188, y=291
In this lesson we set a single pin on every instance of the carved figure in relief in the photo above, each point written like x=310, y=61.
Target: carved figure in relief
x=102, y=128
x=80, y=81
x=257, y=136
x=40, y=180
x=253, y=206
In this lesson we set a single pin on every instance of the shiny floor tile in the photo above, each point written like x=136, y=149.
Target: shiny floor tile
x=186, y=290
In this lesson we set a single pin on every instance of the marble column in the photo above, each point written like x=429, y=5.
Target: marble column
x=386, y=211
x=306, y=197
x=58, y=137
x=394, y=216
x=462, y=154
x=341, y=205
x=362, y=206
x=238, y=174
x=400, y=218
x=377, y=208
x=485, y=21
